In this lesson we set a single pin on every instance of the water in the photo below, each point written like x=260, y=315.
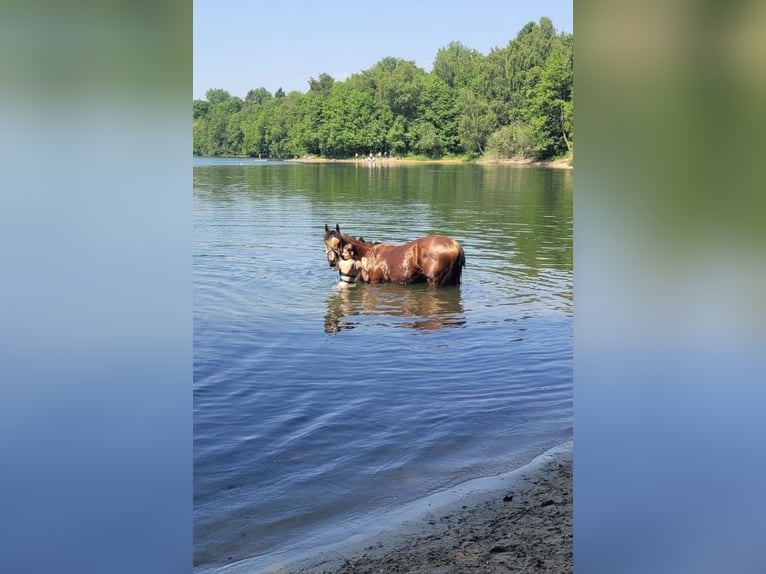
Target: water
x=319, y=409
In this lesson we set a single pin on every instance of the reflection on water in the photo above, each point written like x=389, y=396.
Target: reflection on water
x=411, y=306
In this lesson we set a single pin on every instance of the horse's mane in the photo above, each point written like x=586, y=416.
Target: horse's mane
x=354, y=239
x=345, y=237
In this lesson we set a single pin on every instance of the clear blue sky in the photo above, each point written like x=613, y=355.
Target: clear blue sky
x=240, y=45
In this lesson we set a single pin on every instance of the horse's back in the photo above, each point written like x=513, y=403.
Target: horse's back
x=437, y=259
x=443, y=261
x=440, y=259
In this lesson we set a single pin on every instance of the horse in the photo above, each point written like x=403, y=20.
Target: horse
x=437, y=259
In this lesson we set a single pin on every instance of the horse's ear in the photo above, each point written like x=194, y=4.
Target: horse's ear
x=327, y=229
x=361, y=239
x=337, y=228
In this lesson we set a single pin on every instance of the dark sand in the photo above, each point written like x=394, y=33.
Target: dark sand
x=523, y=524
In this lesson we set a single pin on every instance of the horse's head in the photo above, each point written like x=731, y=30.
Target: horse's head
x=333, y=243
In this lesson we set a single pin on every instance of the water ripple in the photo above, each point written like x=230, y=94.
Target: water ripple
x=316, y=407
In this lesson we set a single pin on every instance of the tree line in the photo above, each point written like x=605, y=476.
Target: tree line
x=516, y=101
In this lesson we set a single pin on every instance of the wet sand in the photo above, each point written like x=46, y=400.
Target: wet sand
x=521, y=523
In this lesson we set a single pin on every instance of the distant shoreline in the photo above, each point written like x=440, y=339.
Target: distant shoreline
x=560, y=163
x=515, y=162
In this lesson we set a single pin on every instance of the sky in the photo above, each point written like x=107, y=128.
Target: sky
x=240, y=45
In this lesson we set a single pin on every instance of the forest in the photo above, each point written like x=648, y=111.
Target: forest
x=515, y=102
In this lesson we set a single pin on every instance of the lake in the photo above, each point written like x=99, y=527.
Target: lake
x=319, y=411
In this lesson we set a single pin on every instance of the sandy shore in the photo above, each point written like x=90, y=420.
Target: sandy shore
x=521, y=523
x=559, y=163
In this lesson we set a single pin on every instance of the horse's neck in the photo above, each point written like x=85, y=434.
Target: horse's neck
x=362, y=248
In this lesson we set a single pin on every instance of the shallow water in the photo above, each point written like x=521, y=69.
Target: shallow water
x=317, y=408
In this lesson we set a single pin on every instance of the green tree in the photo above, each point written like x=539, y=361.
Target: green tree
x=477, y=122
x=513, y=140
x=550, y=103
x=200, y=108
x=440, y=107
x=507, y=75
x=323, y=85
x=275, y=127
x=258, y=96
x=349, y=125
x=518, y=100
x=254, y=133
x=200, y=142
x=218, y=134
x=457, y=65
x=234, y=135
x=217, y=96
x=396, y=137
x=526, y=55
x=426, y=139
x=305, y=132
x=395, y=86
x=293, y=109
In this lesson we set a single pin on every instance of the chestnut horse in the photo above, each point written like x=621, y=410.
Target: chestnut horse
x=434, y=258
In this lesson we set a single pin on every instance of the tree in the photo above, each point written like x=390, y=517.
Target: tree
x=440, y=107
x=278, y=116
x=494, y=84
x=217, y=140
x=292, y=108
x=477, y=122
x=200, y=141
x=322, y=85
x=550, y=109
x=456, y=65
x=258, y=96
x=515, y=101
x=426, y=139
x=200, y=108
x=396, y=136
x=350, y=124
x=234, y=135
x=395, y=84
x=254, y=133
x=527, y=54
x=217, y=96
x=305, y=132
x=513, y=140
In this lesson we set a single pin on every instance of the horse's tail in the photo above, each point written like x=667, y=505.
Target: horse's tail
x=455, y=270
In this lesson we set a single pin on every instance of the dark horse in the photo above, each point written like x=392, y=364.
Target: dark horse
x=434, y=258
